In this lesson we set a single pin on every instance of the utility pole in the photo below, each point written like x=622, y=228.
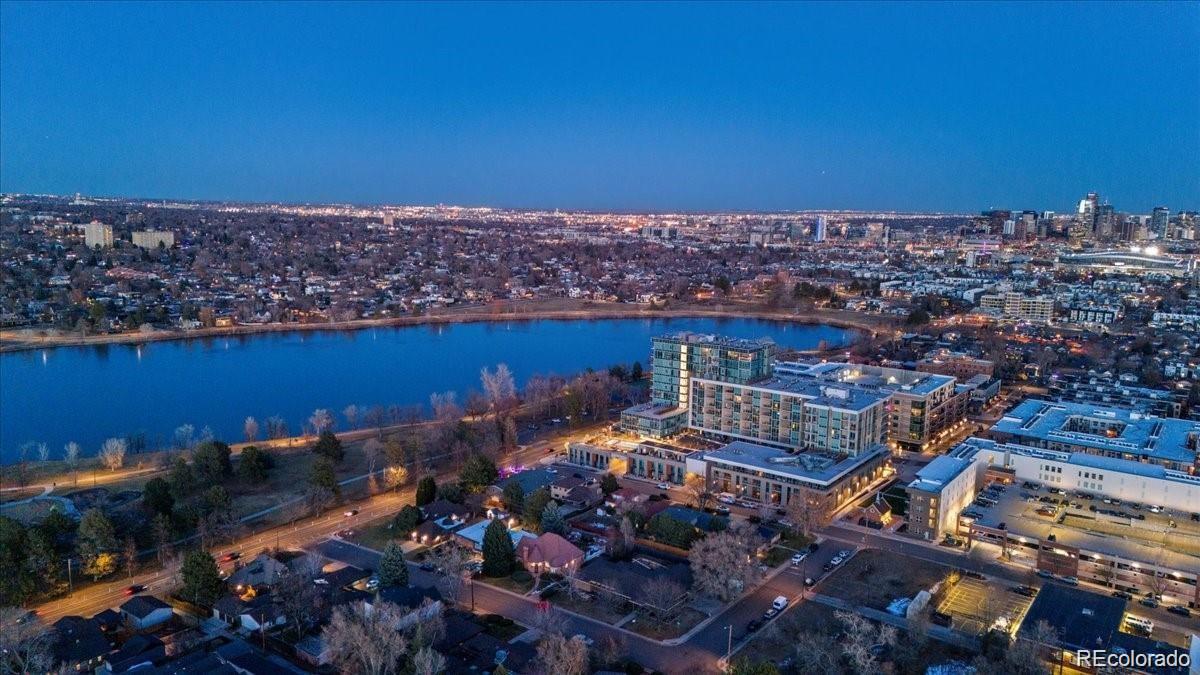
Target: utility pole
x=729, y=645
x=70, y=581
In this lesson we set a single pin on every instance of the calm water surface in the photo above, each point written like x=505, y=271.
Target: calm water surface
x=88, y=394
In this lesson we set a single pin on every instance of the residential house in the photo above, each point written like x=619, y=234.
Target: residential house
x=145, y=612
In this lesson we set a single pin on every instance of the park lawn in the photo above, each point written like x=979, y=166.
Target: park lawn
x=654, y=629
x=795, y=541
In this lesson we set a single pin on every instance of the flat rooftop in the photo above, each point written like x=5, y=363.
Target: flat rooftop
x=809, y=467
x=1127, y=432
x=830, y=394
x=1017, y=508
x=944, y=469
x=688, y=338
x=655, y=411
x=875, y=377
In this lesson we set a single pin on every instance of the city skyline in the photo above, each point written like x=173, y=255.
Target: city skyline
x=629, y=108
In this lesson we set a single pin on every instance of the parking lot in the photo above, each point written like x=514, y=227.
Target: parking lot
x=974, y=605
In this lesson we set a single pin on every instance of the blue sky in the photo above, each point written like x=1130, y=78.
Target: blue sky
x=954, y=107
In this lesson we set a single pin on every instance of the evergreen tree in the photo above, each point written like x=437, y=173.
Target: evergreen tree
x=329, y=445
x=393, y=570
x=635, y=371
x=156, y=496
x=477, y=473
x=535, y=503
x=514, y=496
x=16, y=583
x=182, y=479
x=97, y=543
x=499, y=558
x=202, y=583
x=211, y=462
x=254, y=465
x=609, y=484
x=323, y=477
x=406, y=521
x=426, y=490
x=552, y=520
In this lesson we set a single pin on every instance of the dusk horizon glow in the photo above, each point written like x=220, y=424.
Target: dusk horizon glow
x=661, y=108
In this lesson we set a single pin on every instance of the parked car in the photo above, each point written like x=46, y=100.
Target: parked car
x=722, y=509
x=1122, y=594
x=663, y=486
x=1180, y=610
x=799, y=558
x=780, y=602
x=1070, y=581
x=1027, y=591
x=754, y=625
x=770, y=613
x=1149, y=602
x=1045, y=574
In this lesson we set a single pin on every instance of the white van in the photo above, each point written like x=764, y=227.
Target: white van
x=1140, y=622
x=780, y=603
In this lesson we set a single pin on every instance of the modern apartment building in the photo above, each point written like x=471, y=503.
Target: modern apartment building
x=1019, y=306
x=152, y=239
x=99, y=234
x=942, y=489
x=677, y=358
x=790, y=413
x=920, y=407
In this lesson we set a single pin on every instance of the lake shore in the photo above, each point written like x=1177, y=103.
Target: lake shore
x=24, y=339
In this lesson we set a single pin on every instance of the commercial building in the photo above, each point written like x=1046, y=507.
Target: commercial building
x=99, y=234
x=152, y=239
x=1104, y=389
x=1118, y=433
x=1120, y=523
x=654, y=419
x=772, y=476
x=1019, y=306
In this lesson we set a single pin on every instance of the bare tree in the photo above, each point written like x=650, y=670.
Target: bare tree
x=320, y=420
x=696, y=487
x=350, y=412
x=807, y=512
x=662, y=597
x=299, y=598
x=112, y=453
x=185, y=436
x=250, y=429
x=428, y=662
x=26, y=646
x=129, y=557
x=498, y=386
x=276, y=428
x=557, y=655
x=860, y=637
x=43, y=452
x=71, y=455
x=724, y=563
x=364, y=639
x=815, y=653
x=452, y=561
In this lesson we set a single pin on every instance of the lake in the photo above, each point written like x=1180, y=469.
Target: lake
x=88, y=394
